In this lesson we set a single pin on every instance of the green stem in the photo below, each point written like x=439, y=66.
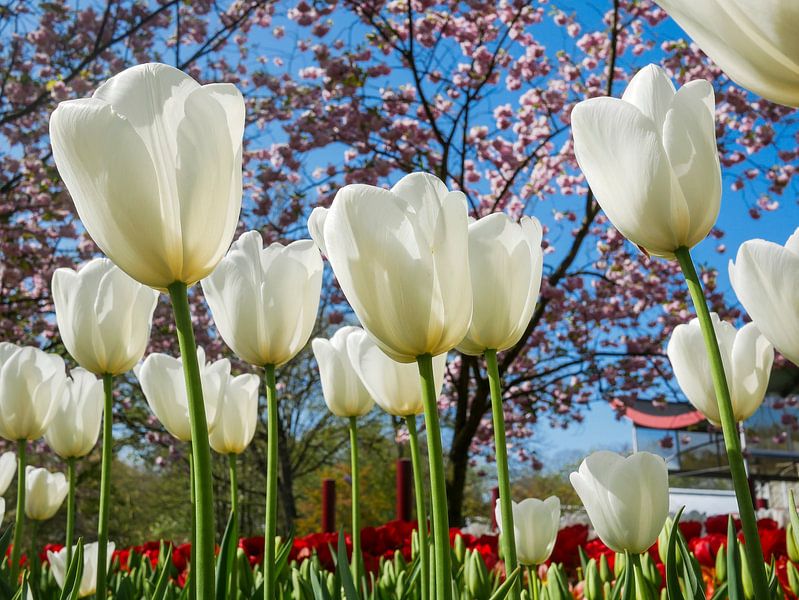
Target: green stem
x=203, y=569
x=193, y=549
x=438, y=490
x=271, y=484
x=754, y=553
x=532, y=581
x=421, y=511
x=355, y=562
x=234, y=509
x=70, y=508
x=503, y=478
x=633, y=566
x=105, y=485
x=19, y=519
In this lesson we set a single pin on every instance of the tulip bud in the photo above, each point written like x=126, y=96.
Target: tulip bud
x=506, y=259
x=651, y=160
x=793, y=578
x=88, y=581
x=30, y=382
x=720, y=571
x=790, y=540
x=762, y=277
x=44, y=493
x=535, y=525
x=604, y=569
x=747, y=357
x=593, y=583
x=746, y=576
x=393, y=385
x=663, y=539
x=343, y=391
x=755, y=48
x=78, y=415
x=264, y=300
x=619, y=564
x=236, y=415
x=459, y=547
x=162, y=381
x=8, y=468
x=627, y=499
x=401, y=257
x=153, y=164
x=104, y=316
x=476, y=576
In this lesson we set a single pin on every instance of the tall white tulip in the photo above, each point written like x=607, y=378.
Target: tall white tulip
x=264, y=300
x=401, y=257
x=747, y=356
x=30, y=383
x=103, y=315
x=344, y=392
x=8, y=468
x=78, y=414
x=44, y=493
x=627, y=499
x=764, y=277
x=536, y=524
x=236, y=415
x=153, y=163
x=59, y=567
x=506, y=261
x=394, y=386
x=651, y=160
x=164, y=387
x=753, y=41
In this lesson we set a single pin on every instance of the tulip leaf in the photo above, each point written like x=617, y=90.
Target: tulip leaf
x=319, y=592
x=343, y=569
x=793, y=515
x=224, y=563
x=125, y=590
x=163, y=580
x=672, y=579
x=735, y=589
x=22, y=592
x=282, y=557
x=71, y=589
x=505, y=588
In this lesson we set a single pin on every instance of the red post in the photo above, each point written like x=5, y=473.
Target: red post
x=404, y=489
x=328, y=505
x=493, y=507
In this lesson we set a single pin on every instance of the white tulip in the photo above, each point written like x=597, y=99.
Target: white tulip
x=153, y=163
x=30, y=382
x=394, y=386
x=162, y=381
x=401, y=257
x=2, y=509
x=103, y=315
x=344, y=392
x=264, y=300
x=506, y=261
x=88, y=581
x=236, y=415
x=627, y=499
x=535, y=527
x=651, y=160
x=747, y=356
x=78, y=414
x=8, y=468
x=764, y=277
x=44, y=493
x=753, y=41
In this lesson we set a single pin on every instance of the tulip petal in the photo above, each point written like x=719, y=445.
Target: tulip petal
x=651, y=92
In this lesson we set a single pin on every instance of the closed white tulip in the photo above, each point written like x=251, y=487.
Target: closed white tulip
x=747, y=356
x=103, y=315
x=30, y=382
x=162, y=381
x=394, y=386
x=401, y=257
x=506, y=261
x=627, y=499
x=8, y=468
x=753, y=41
x=236, y=415
x=344, y=392
x=88, y=581
x=78, y=414
x=153, y=163
x=651, y=160
x=535, y=526
x=264, y=300
x=764, y=277
x=44, y=493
